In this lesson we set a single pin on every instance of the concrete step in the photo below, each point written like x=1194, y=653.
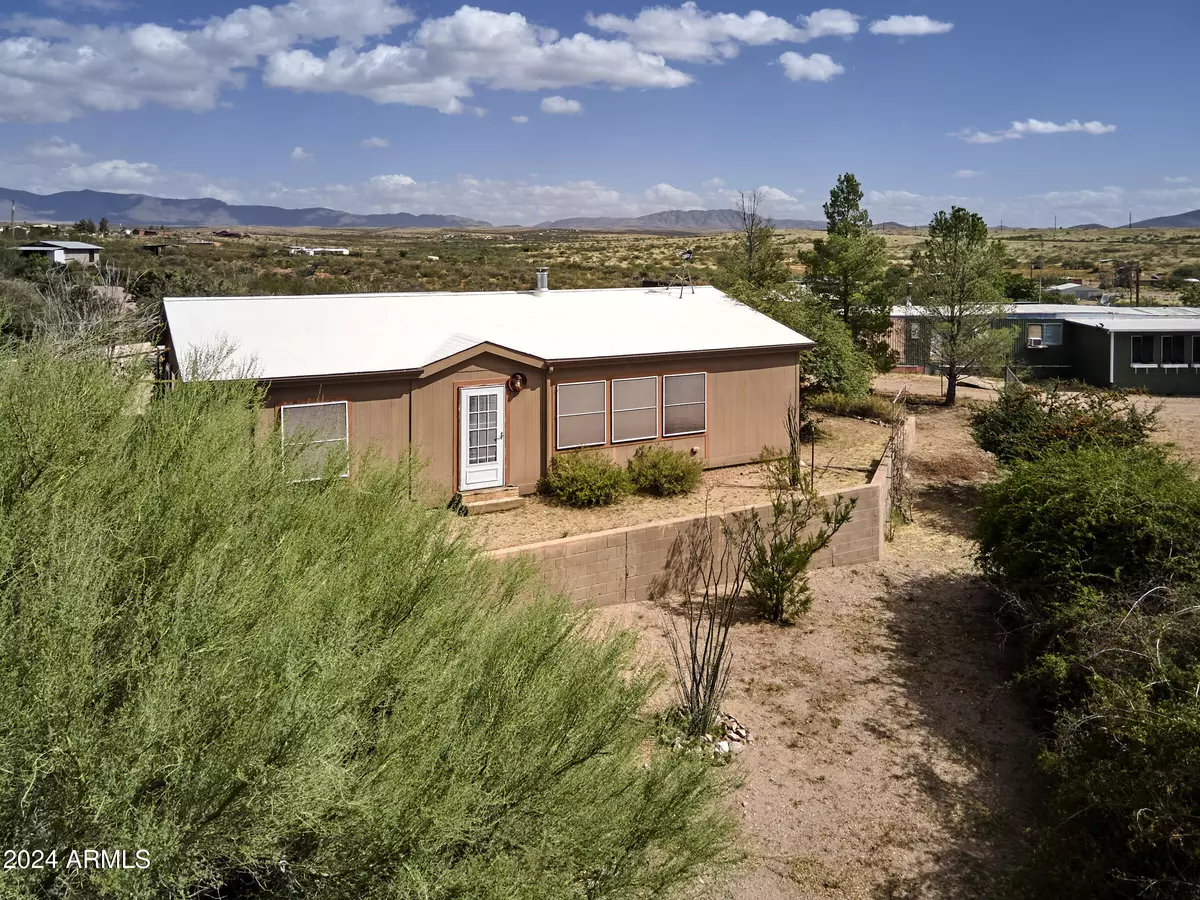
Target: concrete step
x=492, y=500
x=487, y=506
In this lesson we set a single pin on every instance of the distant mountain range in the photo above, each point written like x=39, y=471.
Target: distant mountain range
x=673, y=220
x=142, y=210
x=139, y=209
x=1183, y=220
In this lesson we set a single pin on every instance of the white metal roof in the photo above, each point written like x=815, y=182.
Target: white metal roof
x=1135, y=324
x=339, y=334
x=1071, y=309
x=66, y=245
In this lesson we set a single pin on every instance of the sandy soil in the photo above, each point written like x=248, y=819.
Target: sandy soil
x=844, y=452
x=892, y=757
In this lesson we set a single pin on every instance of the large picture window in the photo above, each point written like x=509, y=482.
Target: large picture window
x=634, y=409
x=1141, y=350
x=580, y=410
x=684, y=402
x=313, y=435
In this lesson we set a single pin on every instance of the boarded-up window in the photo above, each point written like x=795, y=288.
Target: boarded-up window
x=684, y=404
x=1141, y=349
x=314, y=436
x=1174, y=348
x=634, y=409
x=580, y=411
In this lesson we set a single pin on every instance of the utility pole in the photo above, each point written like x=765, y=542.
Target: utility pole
x=1137, y=275
x=1131, y=221
x=1056, y=223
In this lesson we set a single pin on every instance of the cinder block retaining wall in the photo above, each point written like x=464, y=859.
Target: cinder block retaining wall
x=623, y=564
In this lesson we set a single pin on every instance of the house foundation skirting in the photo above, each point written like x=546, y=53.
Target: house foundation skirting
x=628, y=564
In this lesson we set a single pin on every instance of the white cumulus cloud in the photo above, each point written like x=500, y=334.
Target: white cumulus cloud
x=561, y=106
x=666, y=195
x=1018, y=130
x=909, y=26
x=713, y=183
x=301, y=155
x=376, y=142
x=521, y=120
x=967, y=173
x=817, y=67
x=1176, y=179
x=829, y=23
x=55, y=148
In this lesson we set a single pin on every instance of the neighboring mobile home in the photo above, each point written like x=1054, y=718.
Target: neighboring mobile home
x=64, y=251
x=1151, y=348
x=487, y=387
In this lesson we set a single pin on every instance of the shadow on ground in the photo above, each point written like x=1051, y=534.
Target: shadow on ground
x=951, y=661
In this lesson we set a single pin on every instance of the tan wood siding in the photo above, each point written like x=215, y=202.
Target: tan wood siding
x=747, y=398
x=378, y=410
x=435, y=420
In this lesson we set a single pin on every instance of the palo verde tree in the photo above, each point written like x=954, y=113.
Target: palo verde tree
x=846, y=269
x=297, y=690
x=959, y=280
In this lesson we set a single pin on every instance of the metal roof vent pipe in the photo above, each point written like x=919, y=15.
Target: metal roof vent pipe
x=543, y=280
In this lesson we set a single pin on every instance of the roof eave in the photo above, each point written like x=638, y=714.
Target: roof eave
x=798, y=346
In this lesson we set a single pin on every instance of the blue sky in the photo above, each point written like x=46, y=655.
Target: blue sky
x=529, y=110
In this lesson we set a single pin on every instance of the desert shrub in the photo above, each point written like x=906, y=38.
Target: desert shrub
x=664, y=472
x=1095, y=518
x=781, y=546
x=872, y=407
x=311, y=690
x=585, y=478
x=1124, y=754
x=1024, y=422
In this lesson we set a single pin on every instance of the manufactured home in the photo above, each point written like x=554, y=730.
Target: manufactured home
x=64, y=251
x=488, y=387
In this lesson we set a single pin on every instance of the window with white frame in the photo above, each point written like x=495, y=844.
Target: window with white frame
x=684, y=404
x=315, y=435
x=1141, y=350
x=1174, y=350
x=634, y=409
x=1049, y=334
x=580, y=410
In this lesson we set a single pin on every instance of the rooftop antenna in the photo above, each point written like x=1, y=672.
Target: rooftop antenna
x=683, y=276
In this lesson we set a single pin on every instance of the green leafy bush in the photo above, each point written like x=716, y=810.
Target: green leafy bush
x=585, y=478
x=303, y=691
x=1094, y=518
x=664, y=472
x=1024, y=422
x=879, y=409
x=781, y=547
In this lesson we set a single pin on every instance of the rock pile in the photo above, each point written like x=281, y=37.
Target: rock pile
x=736, y=737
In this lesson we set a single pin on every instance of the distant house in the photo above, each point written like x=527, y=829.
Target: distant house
x=64, y=251
x=489, y=386
x=1076, y=290
x=318, y=251
x=1152, y=348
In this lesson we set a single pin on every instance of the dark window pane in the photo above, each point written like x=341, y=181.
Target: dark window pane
x=635, y=424
x=575, y=431
x=581, y=398
x=683, y=419
x=683, y=389
x=634, y=393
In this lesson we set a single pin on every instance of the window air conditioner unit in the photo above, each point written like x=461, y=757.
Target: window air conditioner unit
x=1035, y=342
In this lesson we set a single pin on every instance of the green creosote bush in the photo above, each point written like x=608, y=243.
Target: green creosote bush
x=1095, y=518
x=585, y=478
x=317, y=690
x=664, y=472
x=782, y=545
x=1024, y=422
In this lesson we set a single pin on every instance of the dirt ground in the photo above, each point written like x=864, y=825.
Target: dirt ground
x=844, y=452
x=1179, y=417
x=892, y=757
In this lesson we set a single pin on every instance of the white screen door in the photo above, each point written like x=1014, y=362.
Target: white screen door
x=481, y=437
